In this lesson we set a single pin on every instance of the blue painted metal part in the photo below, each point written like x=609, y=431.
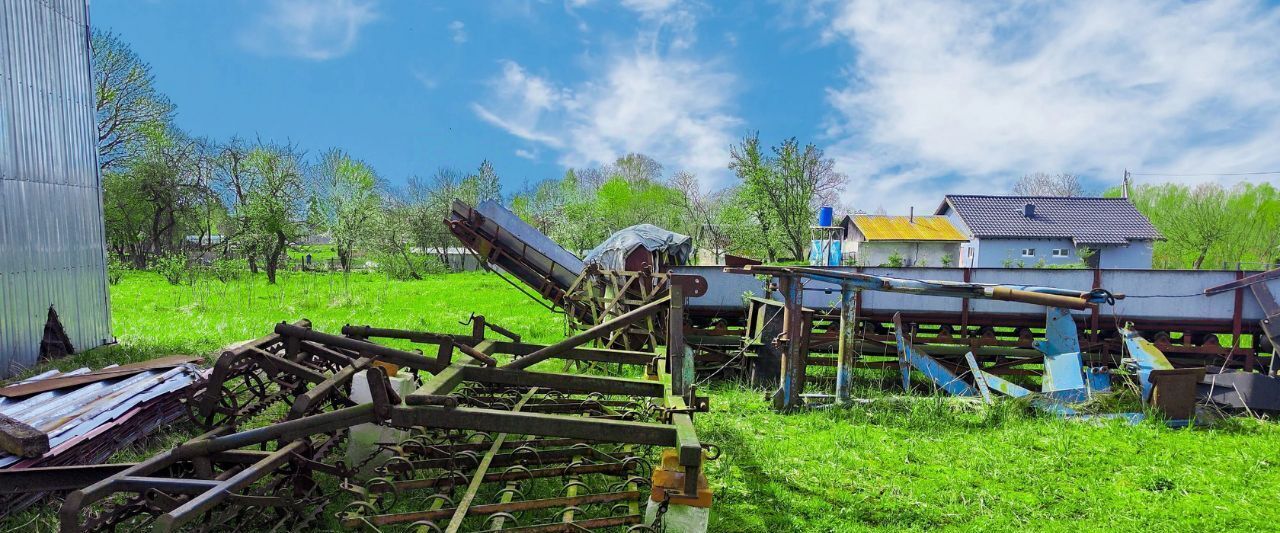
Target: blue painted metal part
x=1098, y=379
x=926, y=364
x=979, y=378
x=1145, y=359
x=1063, y=369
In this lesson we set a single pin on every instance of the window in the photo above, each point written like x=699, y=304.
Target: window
x=1062, y=252
x=1028, y=252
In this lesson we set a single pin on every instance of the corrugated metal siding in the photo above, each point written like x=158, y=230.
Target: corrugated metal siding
x=52, y=245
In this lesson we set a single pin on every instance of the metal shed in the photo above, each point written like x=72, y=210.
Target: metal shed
x=52, y=244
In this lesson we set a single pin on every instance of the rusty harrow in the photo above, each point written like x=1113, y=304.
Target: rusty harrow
x=482, y=447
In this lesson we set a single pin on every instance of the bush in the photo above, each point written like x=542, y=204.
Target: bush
x=895, y=259
x=227, y=270
x=947, y=260
x=394, y=266
x=115, y=269
x=173, y=267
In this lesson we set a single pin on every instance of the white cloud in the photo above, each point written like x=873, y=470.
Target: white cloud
x=425, y=79
x=310, y=29
x=989, y=92
x=527, y=154
x=675, y=110
x=459, y=31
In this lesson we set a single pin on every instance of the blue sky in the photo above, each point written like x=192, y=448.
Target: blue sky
x=912, y=99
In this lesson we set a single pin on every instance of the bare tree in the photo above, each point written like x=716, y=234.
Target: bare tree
x=1045, y=184
x=127, y=102
x=702, y=208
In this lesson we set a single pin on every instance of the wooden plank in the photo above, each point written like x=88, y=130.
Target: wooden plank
x=22, y=440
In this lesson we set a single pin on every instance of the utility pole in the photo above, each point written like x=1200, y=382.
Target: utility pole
x=1124, y=185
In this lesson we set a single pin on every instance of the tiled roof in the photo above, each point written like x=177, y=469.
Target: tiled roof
x=1088, y=220
x=896, y=228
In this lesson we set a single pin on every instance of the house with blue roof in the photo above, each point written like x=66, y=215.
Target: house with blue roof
x=1029, y=231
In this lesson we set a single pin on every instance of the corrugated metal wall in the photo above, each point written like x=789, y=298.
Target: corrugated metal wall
x=52, y=247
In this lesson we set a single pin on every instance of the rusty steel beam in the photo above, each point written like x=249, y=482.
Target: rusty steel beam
x=595, y=332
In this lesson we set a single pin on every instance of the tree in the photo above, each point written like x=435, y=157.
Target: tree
x=636, y=168
x=480, y=186
x=149, y=203
x=785, y=190
x=1044, y=184
x=395, y=231
x=127, y=102
x=752, y=170
x=702, y=209
x=270, y=217
x=344, y=202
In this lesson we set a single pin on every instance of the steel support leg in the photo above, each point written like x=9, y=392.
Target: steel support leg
x=848, y=333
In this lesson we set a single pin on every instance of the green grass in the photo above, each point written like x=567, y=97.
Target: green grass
x=917, y=463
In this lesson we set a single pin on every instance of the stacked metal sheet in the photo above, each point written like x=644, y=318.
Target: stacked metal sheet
x=89, y=423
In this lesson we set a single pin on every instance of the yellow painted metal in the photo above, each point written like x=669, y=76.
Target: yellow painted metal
x=918, y=228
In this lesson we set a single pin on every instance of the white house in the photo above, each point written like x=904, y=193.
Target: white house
x=1028, y=231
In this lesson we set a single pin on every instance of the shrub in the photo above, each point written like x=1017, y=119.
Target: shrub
x=227, y=270
x=895, y=259
x=395, y=267
x=173, y=267
x=947, y=260
x=115, y=269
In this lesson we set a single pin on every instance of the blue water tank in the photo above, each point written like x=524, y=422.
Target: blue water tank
x=825, y=214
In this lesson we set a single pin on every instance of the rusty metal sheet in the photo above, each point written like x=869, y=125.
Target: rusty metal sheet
x=55, y=383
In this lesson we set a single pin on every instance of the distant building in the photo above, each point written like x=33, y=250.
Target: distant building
x=1028, y=231
x=874, y=240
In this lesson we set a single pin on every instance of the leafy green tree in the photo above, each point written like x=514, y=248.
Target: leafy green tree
x=271, y=216
x=344, y=202
x=783, y=191
x=151, y=202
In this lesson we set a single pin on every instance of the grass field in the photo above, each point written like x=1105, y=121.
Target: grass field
x=920, y=463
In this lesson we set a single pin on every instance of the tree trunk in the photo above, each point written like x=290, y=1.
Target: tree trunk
x=273, y=258
x=1199, y=260
x=253, y=264
x=344, y=259
x=409, y=263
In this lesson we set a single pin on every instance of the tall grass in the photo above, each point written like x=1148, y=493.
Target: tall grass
x=913, y=462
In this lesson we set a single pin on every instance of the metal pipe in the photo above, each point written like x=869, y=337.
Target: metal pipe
x=390, y=355
x=220, y=491
x=300, y=427
x=589, y=335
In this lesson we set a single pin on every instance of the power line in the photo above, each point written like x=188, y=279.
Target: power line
x=1204, y=174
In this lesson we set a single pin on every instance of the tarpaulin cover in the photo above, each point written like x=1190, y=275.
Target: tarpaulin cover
x=612, y=253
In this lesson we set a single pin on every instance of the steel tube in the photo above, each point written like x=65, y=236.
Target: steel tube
x=390, y=355
x=589, y=335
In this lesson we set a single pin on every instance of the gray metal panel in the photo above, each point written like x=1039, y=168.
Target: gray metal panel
x=52, y=242
x=724, y=290
x=509, y=225
x=1161, y=294
x=897, y=301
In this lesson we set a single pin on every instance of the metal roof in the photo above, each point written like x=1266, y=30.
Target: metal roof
x=1088, y=220
x=899, y=228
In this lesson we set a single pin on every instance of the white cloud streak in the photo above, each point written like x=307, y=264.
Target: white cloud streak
x=674, y=110
x=458, y=31
x=311, y=29
x=966, y=97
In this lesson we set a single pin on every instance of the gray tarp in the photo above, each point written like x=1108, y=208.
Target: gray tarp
x=612, y=253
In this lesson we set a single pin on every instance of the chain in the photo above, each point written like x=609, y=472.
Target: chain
x=657, y=524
